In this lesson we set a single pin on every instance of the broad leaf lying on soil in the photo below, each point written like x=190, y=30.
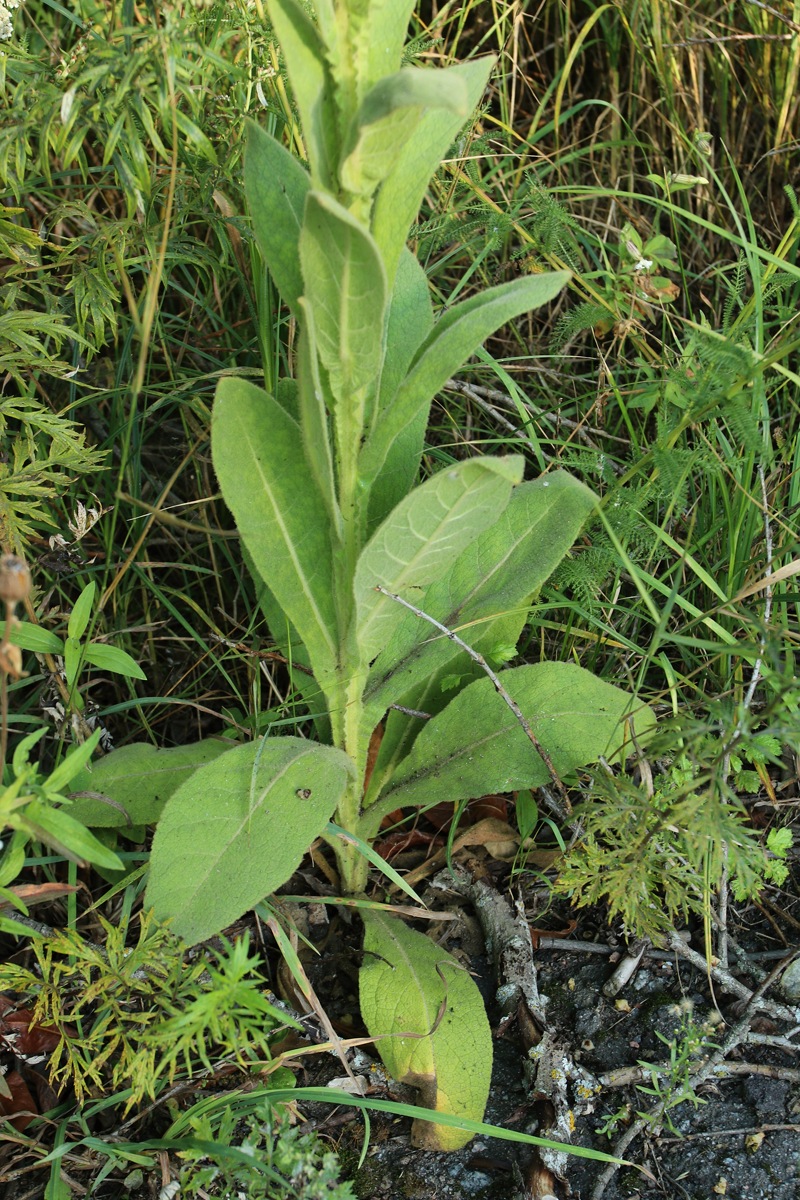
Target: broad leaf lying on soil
x=410, y=985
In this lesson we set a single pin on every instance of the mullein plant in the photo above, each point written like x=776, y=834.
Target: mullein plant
x=394, y=596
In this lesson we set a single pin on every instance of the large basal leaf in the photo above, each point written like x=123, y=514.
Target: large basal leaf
x=456, y=335
x=237, y=829
x=261, y=467
x=421, y=538
x=476, y=745
x=276, y=186
x=494, y=576
x=408, y=984
x=409, y=321
x=138, y=780
x=400, y=196
x=388, y=117
x=305, y=58
x=345, y=286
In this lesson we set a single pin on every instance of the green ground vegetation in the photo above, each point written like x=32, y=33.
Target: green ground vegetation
x=645, y=148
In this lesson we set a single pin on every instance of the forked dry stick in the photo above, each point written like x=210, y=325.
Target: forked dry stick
x=498, y=687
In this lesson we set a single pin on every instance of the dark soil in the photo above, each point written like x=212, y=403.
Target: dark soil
x=738, y=1136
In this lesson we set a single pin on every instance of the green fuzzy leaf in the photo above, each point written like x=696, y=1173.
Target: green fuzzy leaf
x=238, y=828
x=476, y=745
x=109, y=658
x=400, y=196
x=409, y=321
x=276, y=186
x=421, y=538
x=345, y=287
x=416, y=87
x=485, y=593
x=314, y=415
x=384, y=31
x=376, y=150
x=305, y=57
x=389, y=116
x=259, y=460
x=408, y=984
x=138, y=780
x=456, y=335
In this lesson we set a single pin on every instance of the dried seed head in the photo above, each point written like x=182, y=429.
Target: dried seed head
x=11, y=660
x=15, y=579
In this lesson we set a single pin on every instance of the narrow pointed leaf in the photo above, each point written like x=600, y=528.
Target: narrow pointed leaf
x=111, y=658
x=238, y=829
x=476, y=745
x=345, y=287
x=259, y=461
x=409, y=985
x=65, y=835
x=276, y=186
x=457, y=334
x=28, y=636
x=422, y=537
x=81, y=612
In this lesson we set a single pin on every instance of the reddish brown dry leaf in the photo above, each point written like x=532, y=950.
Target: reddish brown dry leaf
x=536, y=934
x=405, y=839
x=372, y=753
x=20, y=1107
x=38, y=893
x=22, y=1035
x=392, y=818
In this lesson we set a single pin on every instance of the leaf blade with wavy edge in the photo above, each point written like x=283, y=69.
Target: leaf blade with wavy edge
x=138, y=779
x=238, y=828
x=276, y=186
x=498, y=572
x=345, y=288
x=452, y=340
x=476, y=746
x=401, y=193
x=422, y=536
x=408, y=984
x=261, y=467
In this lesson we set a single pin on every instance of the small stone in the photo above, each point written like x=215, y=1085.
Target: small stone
x=790, y=982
